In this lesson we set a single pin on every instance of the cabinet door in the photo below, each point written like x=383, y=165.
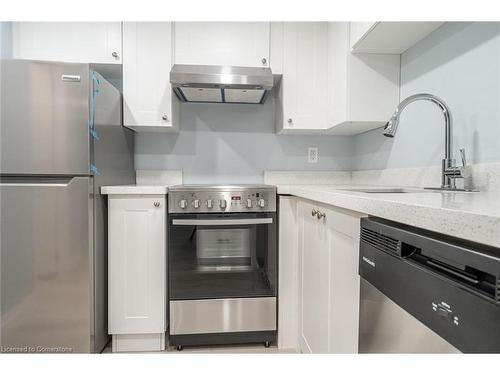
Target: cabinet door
x=137, y=265
x=83, y=42
x=147, y=59
x=314, y=281
x=343, y=227
x=344, y=293
x=222, y=43
x=305, y=75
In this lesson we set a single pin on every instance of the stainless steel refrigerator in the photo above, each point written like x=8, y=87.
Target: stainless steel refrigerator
x=61, y=138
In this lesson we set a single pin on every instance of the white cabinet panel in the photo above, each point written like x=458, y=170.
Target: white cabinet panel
x=365, y=86
x=137, y=264
x=149, y=104
x=305, y=79
x=314, y=280
x=344, y=293
x=288, y=268
x=359, y=30
x=222, y=43
x=388, y=37
x=328, y=301
x=84, y=42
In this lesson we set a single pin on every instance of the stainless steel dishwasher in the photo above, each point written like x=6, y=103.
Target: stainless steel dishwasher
x=423, y=292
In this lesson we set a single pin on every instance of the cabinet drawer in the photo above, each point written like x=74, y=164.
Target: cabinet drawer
x=342, y=220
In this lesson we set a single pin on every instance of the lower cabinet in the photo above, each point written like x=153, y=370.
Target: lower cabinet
x=137, y=271
x=328, y=301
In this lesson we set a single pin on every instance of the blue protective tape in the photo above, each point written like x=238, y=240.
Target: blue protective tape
x=94, y=170
x=95, y=92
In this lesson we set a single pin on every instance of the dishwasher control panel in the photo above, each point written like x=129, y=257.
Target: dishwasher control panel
x=444, y=310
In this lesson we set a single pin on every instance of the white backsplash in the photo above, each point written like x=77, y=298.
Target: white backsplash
x=158, y=177
x=485, y=177
x=307, y=177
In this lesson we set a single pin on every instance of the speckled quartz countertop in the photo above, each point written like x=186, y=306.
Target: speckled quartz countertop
x=471, y=216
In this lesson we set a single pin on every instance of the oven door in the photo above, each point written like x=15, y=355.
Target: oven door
x=215, y=256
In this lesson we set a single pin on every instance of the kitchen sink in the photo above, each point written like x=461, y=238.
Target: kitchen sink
x=386, y=190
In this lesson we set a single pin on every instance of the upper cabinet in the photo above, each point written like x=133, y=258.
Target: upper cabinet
x=149, y=104
x=325, y=88
x=364, y=87
x=388, y=37
x=300, y=52
x=222, y=43
x=89, y=42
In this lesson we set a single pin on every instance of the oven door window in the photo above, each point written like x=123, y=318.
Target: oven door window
x=226, y=256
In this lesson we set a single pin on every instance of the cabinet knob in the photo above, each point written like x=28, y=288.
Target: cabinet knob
x=289, y=121
x=164, y=118
x=156, y=204
x=114, y=54
x=264, y=61
x=320, y=215
x=313, y=212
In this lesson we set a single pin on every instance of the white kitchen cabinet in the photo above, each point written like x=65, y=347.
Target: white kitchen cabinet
x=344, y=227
x=365, y=87
x=300, y=53
x=80, y=42
x=288, y=283
x=149, y=104
x=314, y=281
x=328, y=279
x=222, y=43
x=325, y=88
x=137, y=271
x=388, y=37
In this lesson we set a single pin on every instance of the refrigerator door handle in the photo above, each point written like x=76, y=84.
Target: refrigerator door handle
x=31, y=182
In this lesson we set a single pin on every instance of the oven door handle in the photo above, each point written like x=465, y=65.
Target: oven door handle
x=208, y=222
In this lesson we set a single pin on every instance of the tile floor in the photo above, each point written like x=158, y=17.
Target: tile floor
x=220, y=349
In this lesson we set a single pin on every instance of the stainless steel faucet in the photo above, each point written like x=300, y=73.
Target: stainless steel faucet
x=450, y=171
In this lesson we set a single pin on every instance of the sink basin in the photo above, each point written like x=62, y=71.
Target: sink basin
x=386, y=190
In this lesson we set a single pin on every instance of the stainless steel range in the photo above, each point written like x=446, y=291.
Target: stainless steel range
x=222, y=264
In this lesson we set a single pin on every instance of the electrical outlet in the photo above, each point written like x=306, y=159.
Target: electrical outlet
x=312, y=155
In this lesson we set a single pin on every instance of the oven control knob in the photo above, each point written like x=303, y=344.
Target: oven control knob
x=183, y=203
x=196, y=203
x=209, y=203
x=222, y=203
x=249, y=203
x=262, y=203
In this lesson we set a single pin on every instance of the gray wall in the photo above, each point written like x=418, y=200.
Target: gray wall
x=459, y=62
x=235, y=144
x=5, y=40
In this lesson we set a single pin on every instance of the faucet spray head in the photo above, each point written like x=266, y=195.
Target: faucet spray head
x=391, y=126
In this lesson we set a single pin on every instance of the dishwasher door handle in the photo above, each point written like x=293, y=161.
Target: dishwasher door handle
x=219, y=222
x=455, y=273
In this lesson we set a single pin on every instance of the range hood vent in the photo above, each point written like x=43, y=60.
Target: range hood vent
x=221, y=84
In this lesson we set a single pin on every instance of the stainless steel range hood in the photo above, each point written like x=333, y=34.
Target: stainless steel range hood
x=222, y=84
